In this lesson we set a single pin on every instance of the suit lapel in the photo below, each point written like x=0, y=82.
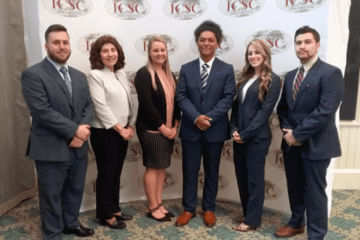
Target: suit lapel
x=196, y=73
x=253, y=85
x=289, y=88
x=54, y=74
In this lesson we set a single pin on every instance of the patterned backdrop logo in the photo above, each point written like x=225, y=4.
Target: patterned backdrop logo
x=227, y=151
x=170, y=180
x=223, y=181
x=184, y=9
x=131, y=77
x=278, y=41
x=68, y=8
x=134, y=152
x=226, y=45
x=240, y=8
x=276, y=158
x=274, y=122
x=141, y=43
x=85, y=42
x=299, y=6
x=272, y=191
x=90, y=187
x=128, y=9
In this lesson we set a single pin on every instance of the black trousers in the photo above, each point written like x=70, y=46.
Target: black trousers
x=110, y=152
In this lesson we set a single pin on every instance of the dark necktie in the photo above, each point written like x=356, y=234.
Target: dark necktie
x=204, y=75
x=298, y=81
x=67, y=81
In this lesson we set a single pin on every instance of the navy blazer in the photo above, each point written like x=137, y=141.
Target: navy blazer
x=55, y=115
x=251, y=117
x=312, y=115
x=214, y=102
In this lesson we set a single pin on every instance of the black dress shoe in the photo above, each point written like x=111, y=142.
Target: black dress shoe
x=80, y=231
x=117, y=224
x=123, y=217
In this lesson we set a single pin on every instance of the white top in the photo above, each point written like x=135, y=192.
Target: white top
x=111, y=97
x=246, y=87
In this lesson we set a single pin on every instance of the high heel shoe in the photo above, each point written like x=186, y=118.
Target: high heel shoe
x=169, y=214
x=163, y=219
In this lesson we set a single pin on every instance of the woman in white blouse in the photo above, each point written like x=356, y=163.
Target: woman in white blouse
x=258, y=92
x=111, y=128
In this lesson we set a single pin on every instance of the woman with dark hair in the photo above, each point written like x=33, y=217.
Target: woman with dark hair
x=157, y=123
x=111, y=127
x=258, y=92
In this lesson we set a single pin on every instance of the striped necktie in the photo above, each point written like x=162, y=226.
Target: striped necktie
x=67, y=81
x=298, y=81
x=204, y=75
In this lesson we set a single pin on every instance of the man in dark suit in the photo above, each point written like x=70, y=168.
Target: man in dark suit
x=311, y=96
x=204, y=94
x=60, y=105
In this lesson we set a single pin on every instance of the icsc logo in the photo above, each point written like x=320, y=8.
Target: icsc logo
x=226, y=45
x=68, y=8
x=276, y=158
x=85, y=42
x=277, y=40
x=299, y=6
x=142, y=42
x=184, y=9
x=128, y=9
x=240, y=8
x=272, y=191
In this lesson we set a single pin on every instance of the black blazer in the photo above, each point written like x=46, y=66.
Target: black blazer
x=251, y=117
x=152, y=104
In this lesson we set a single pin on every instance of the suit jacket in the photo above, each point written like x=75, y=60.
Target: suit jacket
x=106, y=94
x=152, y=104
x=250, y=118
x=215, y=101
x=55, y=115
x=312, y=115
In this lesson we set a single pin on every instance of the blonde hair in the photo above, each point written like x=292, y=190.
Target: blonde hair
x=165, y=66
x=265, y=75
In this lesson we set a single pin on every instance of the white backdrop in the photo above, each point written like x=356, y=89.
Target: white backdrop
x=133, y=22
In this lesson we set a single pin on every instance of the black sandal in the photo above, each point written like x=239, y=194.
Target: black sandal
x=169, y=214
x=163, y=219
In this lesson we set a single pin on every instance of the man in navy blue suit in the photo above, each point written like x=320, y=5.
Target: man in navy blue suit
x=205, y=93
x=59, y=100
x=311, y=96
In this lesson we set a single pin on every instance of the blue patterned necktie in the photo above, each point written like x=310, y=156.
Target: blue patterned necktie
x=67, y=81
x=298, y=81
x=204, y=75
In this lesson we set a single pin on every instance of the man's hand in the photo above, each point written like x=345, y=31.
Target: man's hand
x=83, y=132
x=289, y=138
x=76, y=142
x=236, y=137
x=203, y=122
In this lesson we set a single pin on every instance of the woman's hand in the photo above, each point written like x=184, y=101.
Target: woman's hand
x=167, y=132
x=174, y=132
x=125, y=133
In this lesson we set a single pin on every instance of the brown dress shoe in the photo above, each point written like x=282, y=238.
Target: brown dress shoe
x=288, y=231
x=184, y=218
x=209, y=218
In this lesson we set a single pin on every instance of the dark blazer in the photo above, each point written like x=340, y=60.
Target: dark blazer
x=251, y=117
x=312, y=115
x=55, y=115
x=152, y=104
x=214, y=102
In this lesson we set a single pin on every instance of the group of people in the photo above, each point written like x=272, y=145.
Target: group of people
x=67, y=108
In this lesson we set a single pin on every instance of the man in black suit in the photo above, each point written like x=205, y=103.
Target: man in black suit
x=311, y=96
x=60, y=105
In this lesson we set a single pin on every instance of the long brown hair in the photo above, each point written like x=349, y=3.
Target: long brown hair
x=165, y=66
x=265, y=75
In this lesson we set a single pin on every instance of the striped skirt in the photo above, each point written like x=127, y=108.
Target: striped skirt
x=156, y=149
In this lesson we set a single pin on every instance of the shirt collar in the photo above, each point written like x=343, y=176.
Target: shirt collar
x=210, y=63
x=57, y=65
x=310, y=63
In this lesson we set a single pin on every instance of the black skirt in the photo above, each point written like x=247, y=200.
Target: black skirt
x=156, y=149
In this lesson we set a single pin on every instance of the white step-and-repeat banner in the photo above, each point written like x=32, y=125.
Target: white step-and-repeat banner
x=134, y=22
